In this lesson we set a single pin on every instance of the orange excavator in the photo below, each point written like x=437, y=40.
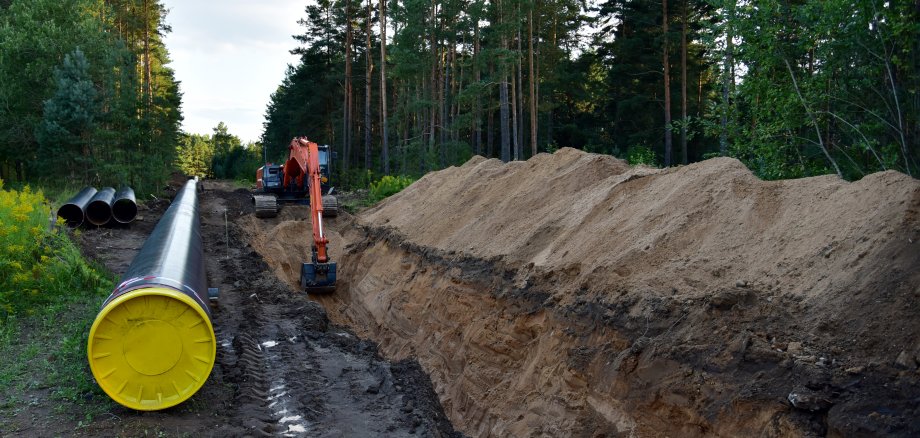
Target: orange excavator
x=301, y=180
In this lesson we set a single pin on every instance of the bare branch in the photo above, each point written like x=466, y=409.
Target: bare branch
x=813, y=121
x=865, y=140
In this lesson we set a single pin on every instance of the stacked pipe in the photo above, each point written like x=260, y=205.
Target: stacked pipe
x=152, y=345
x=100, y=207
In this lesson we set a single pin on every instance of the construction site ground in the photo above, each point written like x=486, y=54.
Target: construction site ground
x=282, y=368
x=568, y=295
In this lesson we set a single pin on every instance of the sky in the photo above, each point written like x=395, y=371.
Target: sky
x=229, y=57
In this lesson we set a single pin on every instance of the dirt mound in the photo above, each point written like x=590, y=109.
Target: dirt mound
x=571, y=294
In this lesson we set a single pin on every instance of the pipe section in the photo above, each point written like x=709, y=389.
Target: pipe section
x=152, y=346
x=124, y=208
x=73, y=210
x=99, y=209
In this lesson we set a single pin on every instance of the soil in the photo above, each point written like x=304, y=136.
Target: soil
x=282, y=368
x=573, y=295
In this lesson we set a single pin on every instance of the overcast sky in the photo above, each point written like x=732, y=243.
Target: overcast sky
x=230, y=56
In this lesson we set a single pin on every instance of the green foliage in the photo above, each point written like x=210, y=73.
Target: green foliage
x=48, y=296
x=195, y=155
x=827, y=87
x=79, y=101
x=388, y=186
x=641, y=154
x=37, y=264
x=220, y=156
x=68, y=119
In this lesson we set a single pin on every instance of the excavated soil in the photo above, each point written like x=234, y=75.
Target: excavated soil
x=573, y=295
x=283, y=369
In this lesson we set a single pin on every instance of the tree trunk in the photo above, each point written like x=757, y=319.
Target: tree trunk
x=346, y=107
x=519, y=128
x=434, y=82
x=683, y=86
x=490, y=127
x=503, y=119
x=477, y=104
x=148, y=87
x=442, y=105
x=367, y=89
x=503, y=98
x=385, y=149
x=728, y=77
x=533, y=94
x=514, y=116
x=667, y=85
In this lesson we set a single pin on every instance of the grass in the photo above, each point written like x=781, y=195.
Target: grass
x=49, y=295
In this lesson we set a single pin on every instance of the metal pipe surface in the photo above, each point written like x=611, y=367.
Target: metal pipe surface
x=73, y=210
x=152, y=346
x=124, y=208
x=99, y=209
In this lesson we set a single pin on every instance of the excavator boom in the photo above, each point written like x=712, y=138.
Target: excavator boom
x=319, y=274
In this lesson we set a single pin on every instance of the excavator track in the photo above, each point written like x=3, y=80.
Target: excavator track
x=266, y=205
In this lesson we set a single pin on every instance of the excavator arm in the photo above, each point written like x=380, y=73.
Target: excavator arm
x=303, y=162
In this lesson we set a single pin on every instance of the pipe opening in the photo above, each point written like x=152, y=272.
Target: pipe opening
x=72, y=214
x=124, y=211
x=98, y=212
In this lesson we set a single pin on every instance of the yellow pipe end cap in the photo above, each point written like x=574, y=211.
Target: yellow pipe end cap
x=151, y=348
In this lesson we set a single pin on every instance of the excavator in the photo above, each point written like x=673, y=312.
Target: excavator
x=301, y=180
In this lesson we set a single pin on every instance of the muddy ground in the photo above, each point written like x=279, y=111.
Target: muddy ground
x=282, y=368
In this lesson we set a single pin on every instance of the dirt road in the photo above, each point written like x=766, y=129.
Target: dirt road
x=282, y=368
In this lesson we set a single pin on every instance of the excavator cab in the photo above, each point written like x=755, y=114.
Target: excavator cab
x=271, y=177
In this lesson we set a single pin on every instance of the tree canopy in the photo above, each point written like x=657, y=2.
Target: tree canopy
x=86, y=95
x=791, y=88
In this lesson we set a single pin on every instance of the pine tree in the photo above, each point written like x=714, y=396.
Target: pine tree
x=68, y=119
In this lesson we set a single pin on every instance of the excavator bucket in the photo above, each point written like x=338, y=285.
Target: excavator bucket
x=318, y=277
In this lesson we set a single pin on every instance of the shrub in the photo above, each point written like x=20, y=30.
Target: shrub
x=38, y=262
x=641, y=154
x=388, y=186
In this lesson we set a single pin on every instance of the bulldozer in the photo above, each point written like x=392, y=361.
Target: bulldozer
x=302, y=179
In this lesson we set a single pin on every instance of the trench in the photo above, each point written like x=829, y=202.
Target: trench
x=682, y=302
x=506, y=361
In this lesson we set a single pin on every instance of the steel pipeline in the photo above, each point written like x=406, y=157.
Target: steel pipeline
x=99, y=209
x=124, y=208
x=152, y=346
x=73, y=210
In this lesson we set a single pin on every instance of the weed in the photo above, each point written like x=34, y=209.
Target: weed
x=388, y=186
x=49, y=295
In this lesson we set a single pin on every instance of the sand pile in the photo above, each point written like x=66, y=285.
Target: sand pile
x=573, y=295
x=693, y=229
